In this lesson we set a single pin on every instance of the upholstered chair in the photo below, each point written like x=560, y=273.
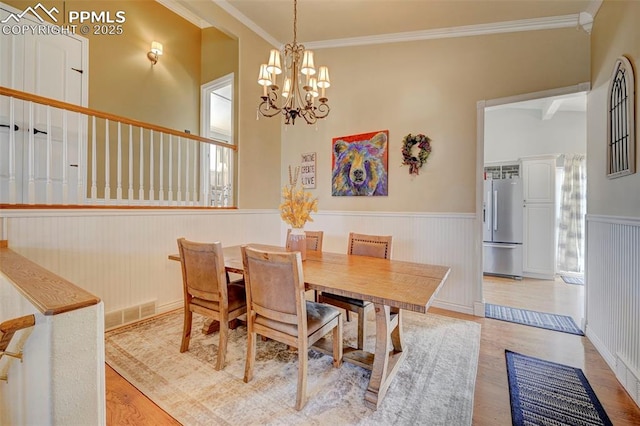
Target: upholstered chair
x=360, y=245
x=277, y=309
x=207, y=291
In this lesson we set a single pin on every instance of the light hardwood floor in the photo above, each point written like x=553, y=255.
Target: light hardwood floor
x=126, y=405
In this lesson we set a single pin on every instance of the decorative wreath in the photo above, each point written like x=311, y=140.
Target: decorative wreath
x=414, y=163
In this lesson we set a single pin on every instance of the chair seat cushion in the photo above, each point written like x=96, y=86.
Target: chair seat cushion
x=237, y=299
x=356, y=302
x=318, y=315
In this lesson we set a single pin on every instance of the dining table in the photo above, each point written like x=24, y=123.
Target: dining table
x=391, y=285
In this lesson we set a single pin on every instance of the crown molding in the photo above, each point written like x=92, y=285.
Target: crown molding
x=583, y=19
x=179, y=9
x=554, y=22
x=226, y=6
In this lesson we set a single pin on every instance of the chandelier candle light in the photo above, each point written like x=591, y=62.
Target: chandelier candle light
x=300, y=83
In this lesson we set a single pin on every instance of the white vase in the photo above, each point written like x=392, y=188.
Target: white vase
x=298, y=242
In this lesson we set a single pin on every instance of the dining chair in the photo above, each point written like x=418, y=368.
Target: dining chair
x=314, y=243
x=208, y=292
x=360, y=245
x=277, y=309
x=314, y=240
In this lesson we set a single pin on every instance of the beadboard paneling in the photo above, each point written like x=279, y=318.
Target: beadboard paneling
x=613, y=291
x=121, y=255
x=444, y=239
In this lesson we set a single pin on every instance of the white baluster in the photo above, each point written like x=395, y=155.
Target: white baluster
x=161, y=191
x=94, y=163
x=130, y=193
x=170, y=195
x=215, y=184
x=31, y=186
x=226, y=175
x=151, y=177
x=107, y=163
x=119, y=166
x=187, y=195
x=81, y=160
x=204, y=178
x=65, y=158
x=49, y=184
x=179, y=198
x=12, y=153
x=195, y=171
x=141, y=165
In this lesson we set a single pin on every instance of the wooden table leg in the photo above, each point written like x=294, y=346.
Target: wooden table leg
x=211, y=325
x=385, y=362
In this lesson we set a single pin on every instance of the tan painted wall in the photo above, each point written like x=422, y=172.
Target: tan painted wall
x=258, y=140
x=615, y=32
x=430, y=87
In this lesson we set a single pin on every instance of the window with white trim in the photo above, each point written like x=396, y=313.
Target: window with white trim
x=217, y=124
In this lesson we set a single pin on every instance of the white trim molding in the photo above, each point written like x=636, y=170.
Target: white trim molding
x=534, y=24
x=182, y=11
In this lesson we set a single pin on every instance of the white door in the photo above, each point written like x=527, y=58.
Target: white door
x=48, y=142
x=56, y=64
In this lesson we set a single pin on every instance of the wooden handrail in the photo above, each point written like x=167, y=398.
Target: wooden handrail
x=92, y=112
x=9, y=327
x=48, y=292
x=104, y=207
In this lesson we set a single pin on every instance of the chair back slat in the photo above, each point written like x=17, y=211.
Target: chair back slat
x=203, y=270
x=274, y=284
x=370, y=245
x=313, y=238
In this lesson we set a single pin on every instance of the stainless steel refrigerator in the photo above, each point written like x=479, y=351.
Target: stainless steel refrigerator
x=502, y=216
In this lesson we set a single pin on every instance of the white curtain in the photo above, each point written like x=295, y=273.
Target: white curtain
x=571, y=218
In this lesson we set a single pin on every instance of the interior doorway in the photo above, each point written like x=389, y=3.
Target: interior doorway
x=540, y=138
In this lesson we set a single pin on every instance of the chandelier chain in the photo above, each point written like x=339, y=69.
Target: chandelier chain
x=295, y=21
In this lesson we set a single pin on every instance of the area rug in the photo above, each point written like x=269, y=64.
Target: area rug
x=546, y=393
x=434, y=385
x=563, y=323
x=573, y=280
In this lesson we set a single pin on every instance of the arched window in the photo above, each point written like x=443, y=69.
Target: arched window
x=621, y=120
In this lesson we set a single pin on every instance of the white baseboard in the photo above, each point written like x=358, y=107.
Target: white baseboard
x=453, y=307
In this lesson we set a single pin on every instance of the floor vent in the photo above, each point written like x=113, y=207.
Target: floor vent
x=629, y=378
x=128, y=315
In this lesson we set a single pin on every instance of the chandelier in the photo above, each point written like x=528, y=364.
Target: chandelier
x=300, y=83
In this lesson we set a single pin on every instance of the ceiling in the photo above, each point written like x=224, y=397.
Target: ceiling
x=333, y=20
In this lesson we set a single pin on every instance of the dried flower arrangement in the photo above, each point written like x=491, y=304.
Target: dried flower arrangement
x=297, y=204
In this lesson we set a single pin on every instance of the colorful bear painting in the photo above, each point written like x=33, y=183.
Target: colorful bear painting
x=360, y=164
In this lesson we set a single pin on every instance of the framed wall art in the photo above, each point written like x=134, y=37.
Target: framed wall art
x=360, y=164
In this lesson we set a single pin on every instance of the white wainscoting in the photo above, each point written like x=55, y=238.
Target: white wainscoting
x=121, y=255
x=613, y=295
x=444, y=239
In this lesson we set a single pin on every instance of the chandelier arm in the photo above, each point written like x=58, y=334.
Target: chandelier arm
x=323, y=110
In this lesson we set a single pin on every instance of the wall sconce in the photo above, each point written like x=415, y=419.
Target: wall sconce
x=155, y=52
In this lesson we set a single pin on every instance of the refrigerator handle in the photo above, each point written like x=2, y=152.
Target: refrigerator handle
x=487, y=221
x=495, y=210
